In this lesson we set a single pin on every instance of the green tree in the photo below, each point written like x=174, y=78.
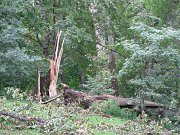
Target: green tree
x=153, y=66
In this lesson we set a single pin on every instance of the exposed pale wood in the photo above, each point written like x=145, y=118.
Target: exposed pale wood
x=54, y=67
x=52, y=88
x=52, y=71
x=57, y=45
x=59, y=57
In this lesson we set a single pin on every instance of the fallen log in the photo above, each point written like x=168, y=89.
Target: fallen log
x=71, y=96
x=24, y=118
x=84, y=100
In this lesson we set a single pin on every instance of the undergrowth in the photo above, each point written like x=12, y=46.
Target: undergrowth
x=72, y=119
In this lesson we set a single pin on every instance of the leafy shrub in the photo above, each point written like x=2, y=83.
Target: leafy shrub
x=111, y=107
x=15, y=93
x=101, y=83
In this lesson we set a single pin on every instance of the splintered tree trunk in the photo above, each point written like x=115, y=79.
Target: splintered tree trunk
x=54, y=67
x=112, y=62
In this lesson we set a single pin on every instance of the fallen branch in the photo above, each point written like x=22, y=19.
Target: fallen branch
x=52, y=99
x=23, y=118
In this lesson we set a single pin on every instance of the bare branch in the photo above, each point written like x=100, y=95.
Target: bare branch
x=52, y=99
x=23, y=118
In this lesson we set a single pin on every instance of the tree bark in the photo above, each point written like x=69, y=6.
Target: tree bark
x=72, y=96
x=37, y=92
x=83, y=80
x=112, y=62
x=46, y=43
x=98, y=30
x=42, y=83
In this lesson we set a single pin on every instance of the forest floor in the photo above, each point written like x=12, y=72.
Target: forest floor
x=42, y=111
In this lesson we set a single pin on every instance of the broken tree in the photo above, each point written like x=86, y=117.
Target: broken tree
x=54, y=66
x=52, y=77
x=71, y=96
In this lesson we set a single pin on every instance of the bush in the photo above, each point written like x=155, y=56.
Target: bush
x=111, y=107
x=100, y=84
x=15, y=93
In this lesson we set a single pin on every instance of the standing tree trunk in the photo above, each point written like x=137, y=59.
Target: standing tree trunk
x=46, y=43
x=112, y=62
x=83, y=79
x=98, y=30
x=54, y=67
x=47, y=36
x=37, y=91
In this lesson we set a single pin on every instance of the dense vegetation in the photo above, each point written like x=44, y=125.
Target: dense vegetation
x=127, y=48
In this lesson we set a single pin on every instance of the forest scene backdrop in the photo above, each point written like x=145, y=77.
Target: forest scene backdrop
x=89, y=67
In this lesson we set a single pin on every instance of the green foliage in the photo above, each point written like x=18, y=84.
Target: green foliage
x=146, y=126
x=160, y=8
x=111, y=107
x=15, y=94
x=155, y=59
x=100, y=84
x=17, y=65
x=148, y=62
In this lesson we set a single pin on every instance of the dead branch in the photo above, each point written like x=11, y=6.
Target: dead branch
x=23, y=118
x=52, y=99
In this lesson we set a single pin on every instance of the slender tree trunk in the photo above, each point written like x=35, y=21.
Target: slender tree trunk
x=83, y=80
x=54, y=14
x=37, y=91
x=98, y=30
x=47, y=31
x=42, y=82
x=112, y=62
x=47, y=36
x=46, y=43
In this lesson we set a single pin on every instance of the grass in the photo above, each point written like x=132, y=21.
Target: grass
x=41, y=111
x=97, y=132
x=95, y=120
